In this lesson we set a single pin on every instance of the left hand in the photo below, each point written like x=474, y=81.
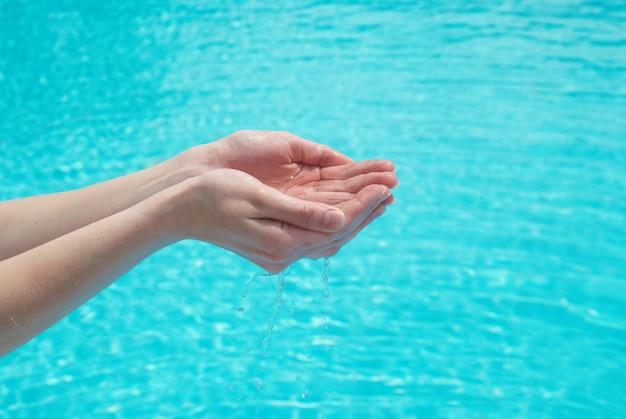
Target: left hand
x=299, y=168
x=236, y=211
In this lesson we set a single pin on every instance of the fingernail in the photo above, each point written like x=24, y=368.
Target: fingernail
x=334, y=219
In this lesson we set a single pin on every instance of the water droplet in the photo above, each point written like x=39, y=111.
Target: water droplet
x=324, y=275
x=278, y=304
x=258, y=383
x=244, y=294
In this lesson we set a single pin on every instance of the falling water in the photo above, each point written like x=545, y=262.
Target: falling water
x=278, y=304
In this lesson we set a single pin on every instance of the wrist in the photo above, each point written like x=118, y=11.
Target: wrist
x=168, y=213
x=192, y=162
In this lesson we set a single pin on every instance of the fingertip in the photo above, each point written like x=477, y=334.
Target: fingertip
x=334, y=219
x=389, y=179
x=381, y=165
x=389, y=165
x=385, y=192
x=338, y=157
x=394, y=181
x=386, y=198
x=375, y=193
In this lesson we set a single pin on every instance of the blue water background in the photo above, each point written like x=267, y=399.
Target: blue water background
x=495, y=287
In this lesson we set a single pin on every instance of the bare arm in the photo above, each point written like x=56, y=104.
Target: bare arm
x=272, y=198
x=29, y=222
x=42, y=285
x=226, y=207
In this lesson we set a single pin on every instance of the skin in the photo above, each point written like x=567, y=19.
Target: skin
x=270, y=197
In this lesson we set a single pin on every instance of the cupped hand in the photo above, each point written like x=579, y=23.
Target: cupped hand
x=238, y=212
x=278, y=159
x=274, y=157
x=298, y=167
x=297, y=198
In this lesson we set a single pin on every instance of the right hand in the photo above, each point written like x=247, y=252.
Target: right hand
x=238, y=212
x=296, y=167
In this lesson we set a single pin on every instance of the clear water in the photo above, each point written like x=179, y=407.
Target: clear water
x=495, y=287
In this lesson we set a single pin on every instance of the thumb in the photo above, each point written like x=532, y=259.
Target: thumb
x=308, y=215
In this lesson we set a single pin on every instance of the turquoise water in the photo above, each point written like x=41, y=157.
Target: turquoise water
x=495, y=287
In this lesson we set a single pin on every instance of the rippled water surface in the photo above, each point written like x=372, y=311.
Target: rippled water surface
x=495, y=287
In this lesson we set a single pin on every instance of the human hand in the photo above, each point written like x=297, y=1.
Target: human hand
x=270, y=156
x=298, y=168
x=238, y=212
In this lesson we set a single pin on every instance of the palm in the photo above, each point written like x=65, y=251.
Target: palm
x=296, y=168
x=291, y=165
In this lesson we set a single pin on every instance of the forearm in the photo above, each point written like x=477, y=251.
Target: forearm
x=270, y=205
x=44, y=284
x=29, y=222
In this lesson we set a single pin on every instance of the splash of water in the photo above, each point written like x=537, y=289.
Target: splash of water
x=326, y=293
x=325, y=270
x=278, y=300
x=278, y=305
x=244, y=294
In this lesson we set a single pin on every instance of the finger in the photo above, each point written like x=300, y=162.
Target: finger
x=331, y=249
x=327, y=249
x=359, y=211
x=359, y=168
x=315, y=245
x=330, y=197
x=312, y=240
x=356, y=183
x=314, y=154
x=364, y=202
x=307, y=215
x=365, y=206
